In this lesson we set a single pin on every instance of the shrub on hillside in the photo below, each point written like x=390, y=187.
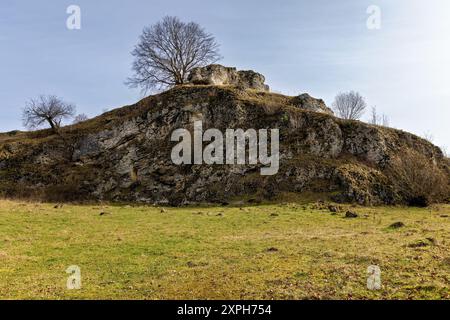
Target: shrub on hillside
x=417, y=179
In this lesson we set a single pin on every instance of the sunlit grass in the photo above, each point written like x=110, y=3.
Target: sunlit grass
x=284, y=251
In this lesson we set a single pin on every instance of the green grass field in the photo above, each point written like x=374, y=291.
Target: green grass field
x=286, y=251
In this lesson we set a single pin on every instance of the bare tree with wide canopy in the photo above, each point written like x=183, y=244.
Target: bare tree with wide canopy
x=349, y=105
x=46, y=109
x=168, y=51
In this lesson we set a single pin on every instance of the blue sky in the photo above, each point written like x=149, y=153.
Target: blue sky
x=320, y=47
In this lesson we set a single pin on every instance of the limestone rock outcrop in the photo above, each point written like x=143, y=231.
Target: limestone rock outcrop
x=125, y=155
x=219, y=75
x=306, y=102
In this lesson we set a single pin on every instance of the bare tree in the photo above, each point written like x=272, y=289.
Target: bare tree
x=445, y=152
x=168, y=51
x=80, y=118
x=428, y=136
x=349, y=105
x=46, y=109
x=417, y=178
x=384, y=120
x=375, y=119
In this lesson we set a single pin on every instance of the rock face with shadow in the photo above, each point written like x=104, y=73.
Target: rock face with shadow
x=125, y=155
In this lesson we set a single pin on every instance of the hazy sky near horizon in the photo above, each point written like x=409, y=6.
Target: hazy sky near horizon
x=321, y=47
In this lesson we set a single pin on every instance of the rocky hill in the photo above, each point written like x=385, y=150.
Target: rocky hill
x=125, y=155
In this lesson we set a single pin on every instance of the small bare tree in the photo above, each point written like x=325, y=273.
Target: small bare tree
x=445, y=152
x=375, y=119
x=428, y=136
x=417, y=179
x=168, y=51
x=349, y=105
x=385, y=120
x=80, y=118
x=46, y=109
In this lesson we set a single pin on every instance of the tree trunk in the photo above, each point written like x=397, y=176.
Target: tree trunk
x=52, y=125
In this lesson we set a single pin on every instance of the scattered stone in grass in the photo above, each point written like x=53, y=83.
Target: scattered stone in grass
x=351, y=214
x=272, y=249
x=423, y=243
x=418, y=244
x=274, y=214
x=433, y=241
x=219, y=215
x=191, y=264
x=300, y=274
x=397, y=225
x=58, y=206
x=444, y=215
x=333, y=209
x=103, y=213
x=319, y=205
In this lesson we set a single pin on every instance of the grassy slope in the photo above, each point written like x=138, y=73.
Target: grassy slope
x=192, y=253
